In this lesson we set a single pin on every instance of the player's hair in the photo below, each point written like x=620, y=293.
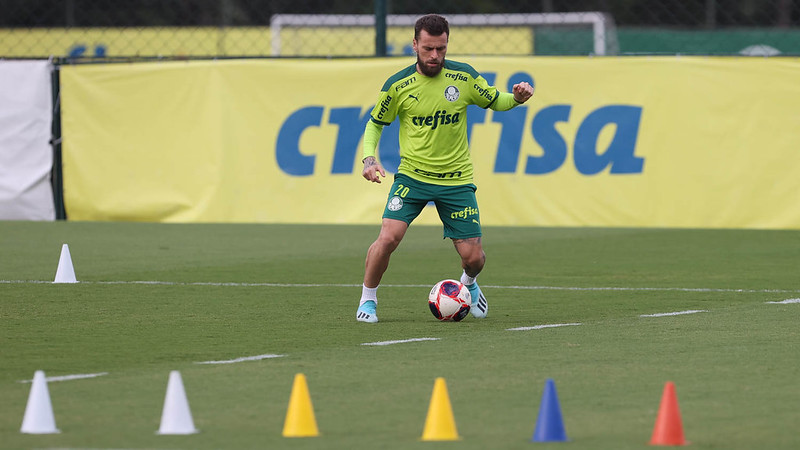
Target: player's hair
x=434, y=24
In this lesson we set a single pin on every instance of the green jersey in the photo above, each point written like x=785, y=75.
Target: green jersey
x=433, y=120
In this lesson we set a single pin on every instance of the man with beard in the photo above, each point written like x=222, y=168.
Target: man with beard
x=430, y=100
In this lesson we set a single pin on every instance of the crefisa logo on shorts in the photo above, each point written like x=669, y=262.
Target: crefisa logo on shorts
x=395, y=203
x=451, y=93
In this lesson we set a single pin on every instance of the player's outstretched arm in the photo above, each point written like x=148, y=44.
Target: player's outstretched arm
x=522, y=92
x=373, y=171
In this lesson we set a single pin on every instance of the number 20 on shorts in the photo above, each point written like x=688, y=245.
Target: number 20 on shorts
x=401, y=190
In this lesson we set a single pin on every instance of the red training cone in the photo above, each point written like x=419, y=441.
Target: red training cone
x=669, y=428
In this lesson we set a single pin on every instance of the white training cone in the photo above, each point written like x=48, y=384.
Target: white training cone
x=176, y=417
x=65, y=273
x=39, y=417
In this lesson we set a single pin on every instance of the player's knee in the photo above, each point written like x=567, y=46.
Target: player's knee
x=474, y=261
x=388, y=241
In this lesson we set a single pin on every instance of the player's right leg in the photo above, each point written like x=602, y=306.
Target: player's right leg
x=406, y=200
x=392, y=232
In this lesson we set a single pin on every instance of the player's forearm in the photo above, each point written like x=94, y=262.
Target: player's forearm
x=372, y=134
x=504, y=102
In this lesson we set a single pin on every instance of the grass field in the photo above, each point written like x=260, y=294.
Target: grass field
x=231, y=291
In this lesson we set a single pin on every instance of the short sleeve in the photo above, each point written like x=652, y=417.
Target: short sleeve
x=385, y=110
x=483, y=94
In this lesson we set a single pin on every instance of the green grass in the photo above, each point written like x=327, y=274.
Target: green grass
x=735, y=366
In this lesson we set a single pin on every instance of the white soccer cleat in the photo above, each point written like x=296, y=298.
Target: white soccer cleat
x=367, y=312
x=480, y=307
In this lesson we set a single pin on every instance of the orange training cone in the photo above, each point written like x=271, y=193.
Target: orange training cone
x=669, y=428
x=440, y=424
x=300, y=421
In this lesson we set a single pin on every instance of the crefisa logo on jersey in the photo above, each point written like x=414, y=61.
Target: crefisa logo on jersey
x=451, y=93
x=395, y=203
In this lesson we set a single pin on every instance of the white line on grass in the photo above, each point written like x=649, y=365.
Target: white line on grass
x=245, y=358
x=787, y=301
x=339, y=285
x=644, y=289
x=677, y=313
x=539, y=327
x=70, y=377
x=401, y=341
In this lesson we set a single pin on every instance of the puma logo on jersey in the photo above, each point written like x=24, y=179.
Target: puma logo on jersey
x=414, y=97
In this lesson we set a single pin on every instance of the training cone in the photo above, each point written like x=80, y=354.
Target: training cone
x=300, y=421
x=440, y=425
x=39, y=417
x=65, y=272
x=669, y=428
x=176, y=418
x=549, y=424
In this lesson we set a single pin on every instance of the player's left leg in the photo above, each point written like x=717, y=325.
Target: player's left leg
x=458, y=211
x=473, y=259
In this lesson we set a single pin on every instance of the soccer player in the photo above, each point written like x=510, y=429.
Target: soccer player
x=430, y=99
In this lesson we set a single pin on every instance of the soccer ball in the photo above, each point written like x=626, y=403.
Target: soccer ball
x=449, y=300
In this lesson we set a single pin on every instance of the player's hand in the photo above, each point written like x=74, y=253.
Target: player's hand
x=522, y=92
x=372, y=170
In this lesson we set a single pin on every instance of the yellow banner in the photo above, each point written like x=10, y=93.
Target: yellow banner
x=650, y=141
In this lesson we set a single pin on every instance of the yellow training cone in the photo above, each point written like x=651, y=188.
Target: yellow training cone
x=300, y=421
x=440, y=424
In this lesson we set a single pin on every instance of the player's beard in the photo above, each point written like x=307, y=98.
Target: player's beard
x=428, y=70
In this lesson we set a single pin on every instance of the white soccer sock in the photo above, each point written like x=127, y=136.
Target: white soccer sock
x=467, y=280
x=368, y=294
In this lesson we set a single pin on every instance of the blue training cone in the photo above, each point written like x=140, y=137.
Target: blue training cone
x=549, y=425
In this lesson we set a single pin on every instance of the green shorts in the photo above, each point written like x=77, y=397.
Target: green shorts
x=457, y=205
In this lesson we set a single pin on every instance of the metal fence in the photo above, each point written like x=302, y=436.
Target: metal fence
x=100, y=29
